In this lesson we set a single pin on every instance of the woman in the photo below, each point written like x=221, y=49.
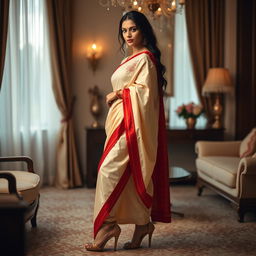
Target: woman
x=132, y=183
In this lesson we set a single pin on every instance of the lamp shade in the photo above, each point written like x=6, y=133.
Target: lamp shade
x=218, y=81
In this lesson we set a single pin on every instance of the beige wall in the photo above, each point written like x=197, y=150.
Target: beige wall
x=92, y=23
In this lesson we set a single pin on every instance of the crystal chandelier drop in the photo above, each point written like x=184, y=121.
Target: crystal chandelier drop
x=154, y=8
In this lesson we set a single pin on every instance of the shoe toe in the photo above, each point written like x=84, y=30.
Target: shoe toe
x=127, y=245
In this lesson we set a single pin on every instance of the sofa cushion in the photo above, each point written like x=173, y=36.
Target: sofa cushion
x=248, y=144
x=221, y=169
x=27, y=184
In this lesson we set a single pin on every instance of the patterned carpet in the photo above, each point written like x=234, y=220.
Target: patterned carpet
x=209, y=227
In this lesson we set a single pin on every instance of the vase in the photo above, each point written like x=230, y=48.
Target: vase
x=191, y=123
x=95, y=106
x=95, y=111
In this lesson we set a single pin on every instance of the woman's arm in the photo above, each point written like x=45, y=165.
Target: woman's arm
x=113, y=96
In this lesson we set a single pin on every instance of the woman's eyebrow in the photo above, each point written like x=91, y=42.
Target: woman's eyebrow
x=130, y=27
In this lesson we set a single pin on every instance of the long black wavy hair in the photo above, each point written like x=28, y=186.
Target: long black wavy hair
x=149, y=40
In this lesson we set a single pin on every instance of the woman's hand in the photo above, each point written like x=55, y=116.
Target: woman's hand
x=113, y=96
x=110, y=98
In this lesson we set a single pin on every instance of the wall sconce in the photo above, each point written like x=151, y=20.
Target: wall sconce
x=94, y=53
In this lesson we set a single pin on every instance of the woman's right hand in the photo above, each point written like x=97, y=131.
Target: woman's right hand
x=110, y=98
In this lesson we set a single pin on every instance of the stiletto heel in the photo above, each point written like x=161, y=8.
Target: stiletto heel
x=116, y=239
x=139, y=234
x=99, y=246
x=149, y=239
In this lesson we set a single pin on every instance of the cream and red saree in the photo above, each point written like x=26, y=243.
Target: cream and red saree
x=132, y=181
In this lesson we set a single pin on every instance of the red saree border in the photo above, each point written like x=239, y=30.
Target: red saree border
x=108, y=205
x=133, y=149
x=152, y=57
x=161, y=206
x=147, y=52
x=112, y=141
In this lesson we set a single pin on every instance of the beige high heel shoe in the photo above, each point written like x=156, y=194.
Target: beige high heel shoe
x=100, y=242
x=140, y=232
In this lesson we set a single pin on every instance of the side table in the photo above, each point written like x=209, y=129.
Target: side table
x=181, y=145
x=181, y=142
x=95, y=139
x=178, y=174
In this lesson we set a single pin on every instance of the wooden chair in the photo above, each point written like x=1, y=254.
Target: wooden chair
x=12, y=215
x=25, y=185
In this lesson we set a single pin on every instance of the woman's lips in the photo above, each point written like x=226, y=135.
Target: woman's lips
x=130, y=40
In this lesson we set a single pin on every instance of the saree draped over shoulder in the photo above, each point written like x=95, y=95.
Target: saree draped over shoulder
x=132, y=182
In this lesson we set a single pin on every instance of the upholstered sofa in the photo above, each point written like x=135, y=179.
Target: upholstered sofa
x=228, y=168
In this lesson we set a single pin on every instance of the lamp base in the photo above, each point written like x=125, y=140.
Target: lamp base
x=217, y=112
x=95, y=124
x=217, y=124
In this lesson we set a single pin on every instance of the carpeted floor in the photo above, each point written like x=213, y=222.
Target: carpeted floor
x=209, y=227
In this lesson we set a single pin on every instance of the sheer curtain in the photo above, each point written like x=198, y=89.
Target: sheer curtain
x=29, y=119
x=184, y=82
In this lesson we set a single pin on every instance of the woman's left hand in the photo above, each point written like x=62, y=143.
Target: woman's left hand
x=110, y=98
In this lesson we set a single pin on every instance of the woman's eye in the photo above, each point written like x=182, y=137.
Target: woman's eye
x=123, y=31
x=134, y=29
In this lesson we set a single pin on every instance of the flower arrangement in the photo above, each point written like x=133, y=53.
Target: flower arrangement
x=189, y=110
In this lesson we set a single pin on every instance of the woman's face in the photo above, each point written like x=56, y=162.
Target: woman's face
x=131, y=34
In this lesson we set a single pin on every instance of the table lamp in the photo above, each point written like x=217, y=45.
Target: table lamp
x=218, y=81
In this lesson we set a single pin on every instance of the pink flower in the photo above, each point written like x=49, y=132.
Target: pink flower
x=189, y=108
x=179, y=109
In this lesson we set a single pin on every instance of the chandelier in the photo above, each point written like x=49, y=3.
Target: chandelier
x=154, y=8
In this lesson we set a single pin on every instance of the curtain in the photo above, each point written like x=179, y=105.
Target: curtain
x=184, y=81
x=29, y=118
x=205, y=25
x=4, y=11
x=246, y=68
x=68, y=174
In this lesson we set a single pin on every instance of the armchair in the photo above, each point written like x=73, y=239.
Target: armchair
x=27, y=186
x=222, y=168
x=12, y=214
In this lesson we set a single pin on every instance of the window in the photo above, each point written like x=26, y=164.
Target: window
x=184, y=83
x=29, y=118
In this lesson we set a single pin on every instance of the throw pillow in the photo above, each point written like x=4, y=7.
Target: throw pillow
x=248, y=145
